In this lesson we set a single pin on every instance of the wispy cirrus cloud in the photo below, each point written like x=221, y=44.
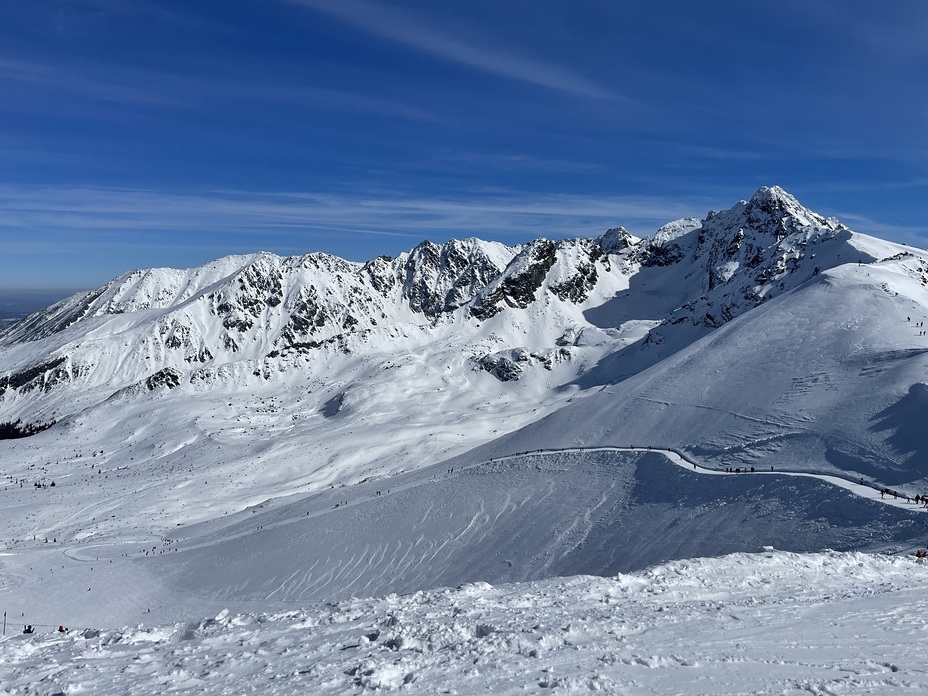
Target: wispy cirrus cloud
x=50, y=233
x=56, y=78
x=416, y=32
x=515, y=162
x=261, y=218
x=509, y=215
x=180, y=92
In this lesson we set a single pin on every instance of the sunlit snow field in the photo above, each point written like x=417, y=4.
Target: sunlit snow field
x=765, y=623
x=383, y=511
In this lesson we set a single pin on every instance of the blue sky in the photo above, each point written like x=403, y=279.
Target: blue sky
x=139, y=133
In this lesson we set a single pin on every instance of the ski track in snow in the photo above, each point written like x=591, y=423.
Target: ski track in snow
x=482, y=515
x=863, y=490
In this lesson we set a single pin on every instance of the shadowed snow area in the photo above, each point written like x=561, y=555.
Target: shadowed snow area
x=523, y=518
x=788, y=384
x=519, y=518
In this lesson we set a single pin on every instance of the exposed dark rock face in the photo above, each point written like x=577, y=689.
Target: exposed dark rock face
x=437, y=279
x=256, y=309
x=519, y=285
x=616, y=241
x=167, y=378
x=34, y=377
x=580, y=284
x=661, y=255
x=380, y=275
x=504, y=369
x=17, y=429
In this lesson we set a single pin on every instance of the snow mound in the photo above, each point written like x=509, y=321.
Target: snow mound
x=771, y=622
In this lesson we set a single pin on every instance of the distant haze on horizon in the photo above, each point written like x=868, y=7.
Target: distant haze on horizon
x=15, y=303
x=142, y=133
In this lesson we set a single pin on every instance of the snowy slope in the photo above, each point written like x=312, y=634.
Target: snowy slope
x=209, y=420
x=829, y=377
x=526, y=517
x=769, y=623
x=438, y=350
x=521, y=518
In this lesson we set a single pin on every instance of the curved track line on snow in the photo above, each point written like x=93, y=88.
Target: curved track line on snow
x=867, y=491
x=864, y=490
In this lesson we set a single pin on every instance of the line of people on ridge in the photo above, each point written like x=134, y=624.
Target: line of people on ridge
x=918, y=499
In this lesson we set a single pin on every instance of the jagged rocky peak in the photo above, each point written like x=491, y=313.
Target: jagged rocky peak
x=769, y=228
x=438, y=278
x=756, y=250
x=321, y=261
x=518, y=286
x=381, y=274
x=773, y=201
x=617, y=240
x=771, y=212
x=666, y=246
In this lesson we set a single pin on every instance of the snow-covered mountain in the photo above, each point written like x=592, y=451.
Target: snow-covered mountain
x=751, y=314
x=262, y=430
x=240, y=320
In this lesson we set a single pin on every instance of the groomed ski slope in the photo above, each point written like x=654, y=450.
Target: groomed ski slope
x=767, y=623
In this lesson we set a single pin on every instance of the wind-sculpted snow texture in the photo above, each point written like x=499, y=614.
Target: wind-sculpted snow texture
x=768, y=623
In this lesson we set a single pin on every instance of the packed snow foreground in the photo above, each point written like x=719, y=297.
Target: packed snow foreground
x=265, y=440
x=765, y=623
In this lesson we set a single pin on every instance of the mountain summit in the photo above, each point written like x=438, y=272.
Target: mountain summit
x=243, y=318
x=285, y=428
x=482, y=337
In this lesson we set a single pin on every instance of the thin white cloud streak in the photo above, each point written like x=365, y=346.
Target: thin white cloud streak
x=181, y=92
x=317, y=98
x=69, y=220
x=515, y=162
x=55, y=211
x=153, y=11
x=404, y=29
x=56, y=78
